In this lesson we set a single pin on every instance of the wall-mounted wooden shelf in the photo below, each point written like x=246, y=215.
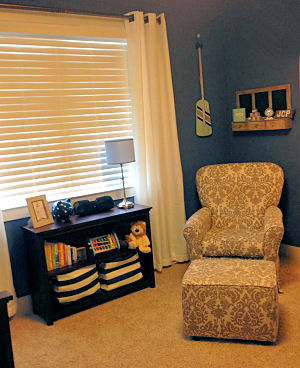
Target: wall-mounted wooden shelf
x=256, y=101
x=264, y=124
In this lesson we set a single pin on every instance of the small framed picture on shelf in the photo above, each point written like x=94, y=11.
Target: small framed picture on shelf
x=81, y=254
x=39, y=211
x=239, y=114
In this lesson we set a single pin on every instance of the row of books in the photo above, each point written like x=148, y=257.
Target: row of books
x=60, y=255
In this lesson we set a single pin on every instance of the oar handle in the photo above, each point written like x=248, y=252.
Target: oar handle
x=199, y=47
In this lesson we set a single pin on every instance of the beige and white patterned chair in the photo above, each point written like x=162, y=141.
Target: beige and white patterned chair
x=239, y=217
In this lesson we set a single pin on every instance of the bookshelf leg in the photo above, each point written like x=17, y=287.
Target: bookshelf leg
x=49, y=323
x=152, y=283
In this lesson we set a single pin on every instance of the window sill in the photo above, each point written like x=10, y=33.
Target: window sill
x=22, y=212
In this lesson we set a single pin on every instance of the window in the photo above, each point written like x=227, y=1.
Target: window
x=63, y=91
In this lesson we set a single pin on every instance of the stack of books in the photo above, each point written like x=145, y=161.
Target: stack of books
x=60, y=255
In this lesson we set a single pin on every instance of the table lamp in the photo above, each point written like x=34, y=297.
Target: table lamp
x=120, y=151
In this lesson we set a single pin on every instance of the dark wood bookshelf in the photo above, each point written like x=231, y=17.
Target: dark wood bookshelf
x=6, y=352
x=76, y=233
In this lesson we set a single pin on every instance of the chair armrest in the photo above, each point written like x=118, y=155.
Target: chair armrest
x=194, y=230
x=273, y=233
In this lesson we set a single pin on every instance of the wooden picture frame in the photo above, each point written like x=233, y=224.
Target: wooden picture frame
x=39, y=211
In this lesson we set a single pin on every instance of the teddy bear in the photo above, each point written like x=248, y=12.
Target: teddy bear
x=138, y=238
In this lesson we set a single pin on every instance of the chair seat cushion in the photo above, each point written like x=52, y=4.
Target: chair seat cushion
x=219, y=242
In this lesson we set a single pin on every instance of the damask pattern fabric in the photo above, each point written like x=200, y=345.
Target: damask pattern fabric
x=240, y=216
x=238, y=194
x=231, y=298
x=233, y=242
x=195, y=229
x=273, y=233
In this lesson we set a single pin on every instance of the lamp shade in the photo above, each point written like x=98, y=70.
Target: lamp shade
x=119, y=151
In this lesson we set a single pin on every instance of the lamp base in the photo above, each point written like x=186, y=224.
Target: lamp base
x=125, y=204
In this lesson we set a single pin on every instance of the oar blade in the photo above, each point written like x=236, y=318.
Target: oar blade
x=203, y=121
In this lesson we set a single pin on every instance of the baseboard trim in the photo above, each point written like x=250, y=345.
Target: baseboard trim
x=24, y=306
x=289, y=251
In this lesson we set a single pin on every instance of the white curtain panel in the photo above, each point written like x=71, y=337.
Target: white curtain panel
x=6, y=281
x=159, y=180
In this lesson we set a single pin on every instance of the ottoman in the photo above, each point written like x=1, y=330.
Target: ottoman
x=230, y=298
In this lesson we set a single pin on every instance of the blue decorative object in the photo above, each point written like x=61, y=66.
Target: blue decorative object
x=62, y=210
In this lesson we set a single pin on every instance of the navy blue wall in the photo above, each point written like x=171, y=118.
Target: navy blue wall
x=18, y=256
x=263, y=44
x=236, y=56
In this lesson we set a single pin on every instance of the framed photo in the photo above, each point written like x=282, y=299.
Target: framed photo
x=39, y=210
x=239, y=114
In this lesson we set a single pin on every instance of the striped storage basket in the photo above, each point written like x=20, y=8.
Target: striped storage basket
x=121, y=271
x=75, y=285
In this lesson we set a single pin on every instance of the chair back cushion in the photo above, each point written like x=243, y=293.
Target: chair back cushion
x=238, y=194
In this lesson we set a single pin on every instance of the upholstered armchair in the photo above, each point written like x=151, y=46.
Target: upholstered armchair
x=239, y=217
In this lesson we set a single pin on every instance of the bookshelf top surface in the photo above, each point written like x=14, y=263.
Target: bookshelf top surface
x=82, y=221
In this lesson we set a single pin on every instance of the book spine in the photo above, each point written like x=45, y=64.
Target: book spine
x=53, y=256
x=59, y=250
x=47, y=256
x=62, y=258
x=68, y=252
x=70, y=255
x=52, y=263
x=56, y=255
x=61, y=254
x=64, y=254
x=74, y=254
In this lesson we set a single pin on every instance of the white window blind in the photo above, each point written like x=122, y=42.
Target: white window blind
x=63, y=91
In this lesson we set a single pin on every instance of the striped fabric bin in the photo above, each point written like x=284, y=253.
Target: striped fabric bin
x=75, y=285
x=120, y=272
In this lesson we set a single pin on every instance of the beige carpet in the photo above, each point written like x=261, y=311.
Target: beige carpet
x=144, y=330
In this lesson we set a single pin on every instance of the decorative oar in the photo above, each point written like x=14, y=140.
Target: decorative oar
x=203, y=122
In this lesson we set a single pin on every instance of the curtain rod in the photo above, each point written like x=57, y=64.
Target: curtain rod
x=59, y=10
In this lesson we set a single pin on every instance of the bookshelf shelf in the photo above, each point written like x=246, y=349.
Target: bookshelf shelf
x=76, y=233
x=66, y=269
